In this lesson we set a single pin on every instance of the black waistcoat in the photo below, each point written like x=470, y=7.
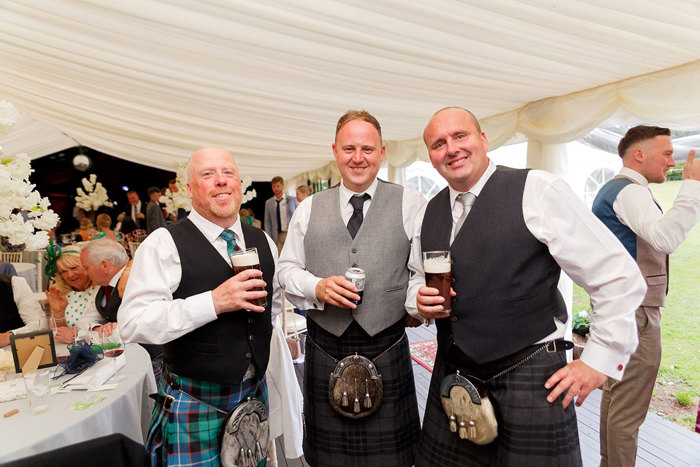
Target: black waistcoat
x=505, y=279
x=109, y=311
x=9, y=314
x=219, y=351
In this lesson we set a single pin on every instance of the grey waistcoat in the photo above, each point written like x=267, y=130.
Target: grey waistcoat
x=380, y=247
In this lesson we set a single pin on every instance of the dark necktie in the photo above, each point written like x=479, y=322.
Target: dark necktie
x=279, y=218
x=231, y=244
x=355, y=221
x=108, y=293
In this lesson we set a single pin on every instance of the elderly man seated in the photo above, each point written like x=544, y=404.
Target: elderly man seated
x=19, y=309
x=107, y=265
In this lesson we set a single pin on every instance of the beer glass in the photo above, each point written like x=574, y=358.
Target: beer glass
x=438, y=274
x=248, y=259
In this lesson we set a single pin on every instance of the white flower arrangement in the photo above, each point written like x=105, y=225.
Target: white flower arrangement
x=8, y=115
x=24, y=215
x=94, y=195
x=180, y=199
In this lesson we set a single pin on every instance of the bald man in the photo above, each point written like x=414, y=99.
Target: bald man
x=183, y=293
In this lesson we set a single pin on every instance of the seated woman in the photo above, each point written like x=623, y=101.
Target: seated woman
x=104, y=228
x=86, y=231
x=71, y=296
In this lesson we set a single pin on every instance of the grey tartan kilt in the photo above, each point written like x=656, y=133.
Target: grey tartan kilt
x=531, y=431
x=388, y=437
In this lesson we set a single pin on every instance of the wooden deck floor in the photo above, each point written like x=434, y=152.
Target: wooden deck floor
x=661, y=443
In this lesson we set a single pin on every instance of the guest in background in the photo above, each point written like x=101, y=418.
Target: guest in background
x=138, y=209
x=303, y=192
x=72, y=295
x=120, y=219
x=278, y=212
x=86, y=230
x=104, y=224
x=19, y=310
x=154, y=213
x=246, y=216
x=181, y=213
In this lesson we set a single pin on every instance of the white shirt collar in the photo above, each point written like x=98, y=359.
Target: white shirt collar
x=634, y=175
x=212, y=231
x=346, y=194
x=115, y=278
x=478, y=186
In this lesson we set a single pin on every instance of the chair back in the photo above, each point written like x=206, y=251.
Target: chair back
x=11, y=256
x=132, y=248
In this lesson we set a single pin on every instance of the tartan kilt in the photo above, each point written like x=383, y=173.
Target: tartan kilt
x=189, y=433
x=531, y=431
x=388, y=437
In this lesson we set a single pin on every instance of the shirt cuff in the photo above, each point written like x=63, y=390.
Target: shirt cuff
x=311, y=302
x=605, y=360
x=203, y=303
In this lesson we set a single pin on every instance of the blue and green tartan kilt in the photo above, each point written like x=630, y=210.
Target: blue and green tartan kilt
x=189, y=433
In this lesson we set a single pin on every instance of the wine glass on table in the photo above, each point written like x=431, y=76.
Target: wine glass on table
x=112, y=347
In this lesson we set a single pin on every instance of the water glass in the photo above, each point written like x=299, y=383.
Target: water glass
x=37, y=384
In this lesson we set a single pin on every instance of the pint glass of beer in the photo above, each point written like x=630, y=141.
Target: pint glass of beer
x=438, y=274
x=248, y=259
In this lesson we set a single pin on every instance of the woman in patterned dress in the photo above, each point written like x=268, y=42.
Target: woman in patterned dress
x=71, y=296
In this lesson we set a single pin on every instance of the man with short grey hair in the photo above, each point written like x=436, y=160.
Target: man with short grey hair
x=105, y=261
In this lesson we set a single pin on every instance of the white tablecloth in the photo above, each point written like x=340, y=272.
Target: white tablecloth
x=28, y=271
x=126, y=409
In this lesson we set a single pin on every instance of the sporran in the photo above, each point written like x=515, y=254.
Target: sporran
x=246, y=435
x=355, y=388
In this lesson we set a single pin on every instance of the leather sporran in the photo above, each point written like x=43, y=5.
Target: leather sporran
x=246, y=435
x=355, y=389
x=470, y=412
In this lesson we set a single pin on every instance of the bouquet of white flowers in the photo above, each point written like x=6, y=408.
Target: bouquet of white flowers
x=24, y=215
x=94, y=196
x=8, y=116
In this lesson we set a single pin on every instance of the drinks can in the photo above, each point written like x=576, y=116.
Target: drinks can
x=357, y=277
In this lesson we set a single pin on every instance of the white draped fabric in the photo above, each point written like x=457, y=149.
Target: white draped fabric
x=150, y=81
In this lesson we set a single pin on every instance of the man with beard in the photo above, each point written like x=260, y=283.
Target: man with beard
x=183, y=294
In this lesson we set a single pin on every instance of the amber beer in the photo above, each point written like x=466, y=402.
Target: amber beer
x=438, y=274
x=248, y=259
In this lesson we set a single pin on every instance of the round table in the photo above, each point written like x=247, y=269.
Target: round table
x=126, y=409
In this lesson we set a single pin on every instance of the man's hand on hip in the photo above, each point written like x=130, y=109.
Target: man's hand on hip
x=337, y=291
x=235, y=294
x=579, y=378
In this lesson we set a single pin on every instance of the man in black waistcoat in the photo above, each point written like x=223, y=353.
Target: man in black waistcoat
x=183, y=293
x=106, y=262
x=509, y=233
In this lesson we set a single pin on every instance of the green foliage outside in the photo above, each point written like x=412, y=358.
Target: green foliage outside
x=680, y=323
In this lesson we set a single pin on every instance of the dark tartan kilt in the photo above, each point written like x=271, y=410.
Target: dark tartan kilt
x=388, y=437
x=189, y=433
x=531, y=431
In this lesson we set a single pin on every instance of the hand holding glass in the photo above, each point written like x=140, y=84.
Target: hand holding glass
x=248, y=259
x=438, y=274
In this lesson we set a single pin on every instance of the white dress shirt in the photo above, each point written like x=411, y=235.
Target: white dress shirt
x=148, y=313
x=298, y=283
x=591, y=255
x=29, y=308
x=636, y=208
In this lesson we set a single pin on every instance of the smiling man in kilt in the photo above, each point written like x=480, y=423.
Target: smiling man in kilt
x=368, y=224
x=183, y=293
x=509, y=233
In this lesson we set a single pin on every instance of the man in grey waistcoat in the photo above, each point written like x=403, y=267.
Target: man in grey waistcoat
x=509, y=232
x=369, y=224
x=626, y=206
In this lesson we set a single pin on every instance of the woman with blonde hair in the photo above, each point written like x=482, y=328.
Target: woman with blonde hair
x=71, y=295
x=86, y=231
x=104, y=228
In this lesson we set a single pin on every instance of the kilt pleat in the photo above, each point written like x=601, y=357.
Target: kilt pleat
x=531, y=431
x=388, y=437
x=189, y=433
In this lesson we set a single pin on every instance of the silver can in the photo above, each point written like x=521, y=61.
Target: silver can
x=357, y=277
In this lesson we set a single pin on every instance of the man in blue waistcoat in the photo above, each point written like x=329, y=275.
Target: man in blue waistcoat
x=626, y=206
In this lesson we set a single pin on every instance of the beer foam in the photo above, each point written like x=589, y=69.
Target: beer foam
x=436, y=265
x=249, y=258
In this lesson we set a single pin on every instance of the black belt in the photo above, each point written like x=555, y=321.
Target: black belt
x=458, y=359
